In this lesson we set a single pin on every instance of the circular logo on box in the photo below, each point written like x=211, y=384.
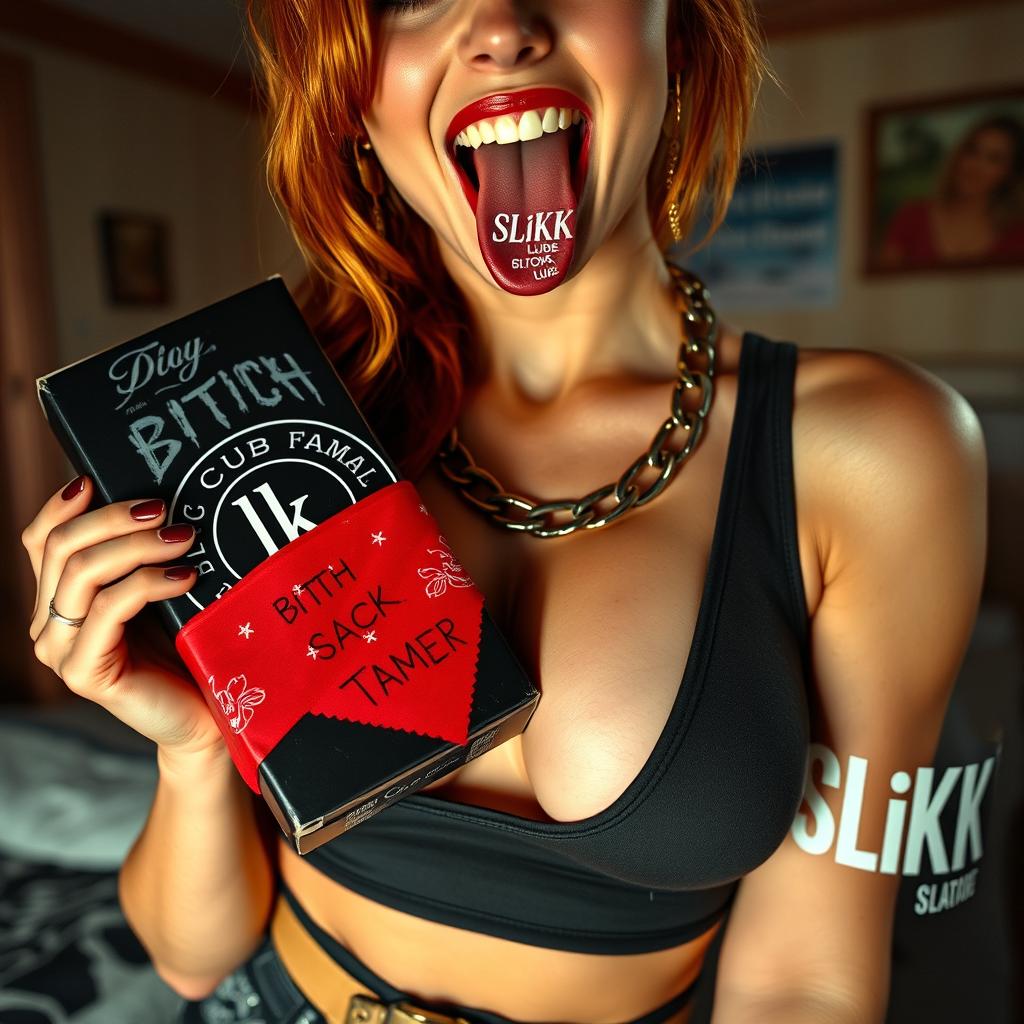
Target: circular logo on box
x=261, y=488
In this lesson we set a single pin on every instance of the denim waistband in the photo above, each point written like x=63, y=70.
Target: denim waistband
x=379, y=987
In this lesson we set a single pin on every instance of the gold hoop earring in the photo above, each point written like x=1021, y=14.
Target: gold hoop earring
x=372, y=179
x=673, y=158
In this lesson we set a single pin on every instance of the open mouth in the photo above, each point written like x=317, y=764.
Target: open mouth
x=521, y=159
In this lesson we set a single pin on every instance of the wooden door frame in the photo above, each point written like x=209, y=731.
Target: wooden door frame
x=31, y=463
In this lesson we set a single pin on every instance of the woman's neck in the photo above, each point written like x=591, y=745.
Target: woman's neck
x=615, y=317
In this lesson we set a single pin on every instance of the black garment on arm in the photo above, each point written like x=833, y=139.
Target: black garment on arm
x=720, y=789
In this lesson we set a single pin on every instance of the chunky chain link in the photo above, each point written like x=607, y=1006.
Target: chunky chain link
x=484, y=492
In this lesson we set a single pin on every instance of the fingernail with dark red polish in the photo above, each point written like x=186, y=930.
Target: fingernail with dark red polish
x=74, y=488
x=143, y=510
x=179, y=572
x=175, y=534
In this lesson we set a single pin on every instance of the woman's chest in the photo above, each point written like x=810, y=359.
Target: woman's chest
x=603, y=622
x=603, y=628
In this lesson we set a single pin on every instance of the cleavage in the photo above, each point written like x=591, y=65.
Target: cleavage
x=603, y=623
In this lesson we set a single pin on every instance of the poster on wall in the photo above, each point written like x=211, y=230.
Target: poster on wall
x=777, y=247
x=945, y=188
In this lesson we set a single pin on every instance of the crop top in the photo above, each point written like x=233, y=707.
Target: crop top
x=720, y=789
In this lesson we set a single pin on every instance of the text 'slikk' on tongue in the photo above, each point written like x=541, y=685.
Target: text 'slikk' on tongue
x=526, y=205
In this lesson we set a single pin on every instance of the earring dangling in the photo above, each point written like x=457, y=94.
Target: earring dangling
x=372, y=180
x=673, y=159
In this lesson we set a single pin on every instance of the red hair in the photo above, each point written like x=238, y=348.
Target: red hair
x=385, y=309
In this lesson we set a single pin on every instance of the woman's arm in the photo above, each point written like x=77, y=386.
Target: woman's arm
x=898, y=462
x=198, y=885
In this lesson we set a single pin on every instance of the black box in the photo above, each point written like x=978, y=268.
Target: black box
x=235, y=417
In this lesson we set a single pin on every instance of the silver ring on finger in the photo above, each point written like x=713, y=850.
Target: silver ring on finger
x=54, y=614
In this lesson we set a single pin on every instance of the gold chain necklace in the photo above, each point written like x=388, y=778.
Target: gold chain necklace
x=513, y=511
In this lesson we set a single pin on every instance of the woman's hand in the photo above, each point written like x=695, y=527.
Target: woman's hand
x=99, y=565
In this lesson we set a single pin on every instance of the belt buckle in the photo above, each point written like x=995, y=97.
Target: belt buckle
x=363, y=1009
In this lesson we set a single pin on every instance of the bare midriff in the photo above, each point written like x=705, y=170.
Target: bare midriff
x=435, y=962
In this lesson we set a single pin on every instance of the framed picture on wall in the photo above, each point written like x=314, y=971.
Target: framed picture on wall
x=135, y=258
x=946, y=183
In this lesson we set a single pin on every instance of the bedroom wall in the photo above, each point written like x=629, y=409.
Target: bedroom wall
x=112, y=139
x=92, y=135
x=830, y=78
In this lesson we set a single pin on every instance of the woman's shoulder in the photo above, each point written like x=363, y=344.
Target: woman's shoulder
x=862, y=415
x=855, y=395
x=881, y=445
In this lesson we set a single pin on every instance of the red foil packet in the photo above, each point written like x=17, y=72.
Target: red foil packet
x=367, y=618
x=353, y=666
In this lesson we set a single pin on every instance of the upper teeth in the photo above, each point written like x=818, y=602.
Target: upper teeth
x=532, y=124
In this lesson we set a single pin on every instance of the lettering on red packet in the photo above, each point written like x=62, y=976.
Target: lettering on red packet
x=368, y=618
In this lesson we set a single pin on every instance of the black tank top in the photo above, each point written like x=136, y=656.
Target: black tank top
x=721, y=788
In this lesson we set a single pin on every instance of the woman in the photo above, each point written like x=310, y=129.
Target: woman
x=977, y=212
x=843, y=491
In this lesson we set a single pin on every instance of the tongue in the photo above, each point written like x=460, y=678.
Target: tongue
x=526, y=212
